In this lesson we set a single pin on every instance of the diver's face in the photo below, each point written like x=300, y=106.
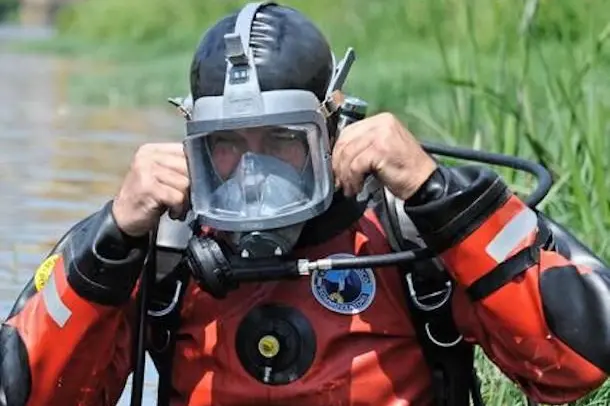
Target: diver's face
x=227, y=147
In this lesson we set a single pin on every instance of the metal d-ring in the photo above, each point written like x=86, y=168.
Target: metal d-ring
x=440, y=343
x=428, y=308
x=167, y=310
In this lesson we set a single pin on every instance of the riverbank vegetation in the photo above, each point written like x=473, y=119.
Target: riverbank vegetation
x=8, y=10
x=521, y=77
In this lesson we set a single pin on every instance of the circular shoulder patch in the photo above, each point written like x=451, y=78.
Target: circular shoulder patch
x=44, y=271
x=349, y=291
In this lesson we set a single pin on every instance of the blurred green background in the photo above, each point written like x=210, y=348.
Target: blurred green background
x=8, y=9
x=527, y=78
x=513, y=76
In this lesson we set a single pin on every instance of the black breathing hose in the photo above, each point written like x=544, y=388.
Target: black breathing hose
x=545, y=182
x=371, y=261
x=139, y=354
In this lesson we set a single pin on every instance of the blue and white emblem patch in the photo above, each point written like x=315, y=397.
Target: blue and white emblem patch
x=349, y=291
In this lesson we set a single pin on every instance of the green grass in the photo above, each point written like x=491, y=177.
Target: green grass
x=527, y=78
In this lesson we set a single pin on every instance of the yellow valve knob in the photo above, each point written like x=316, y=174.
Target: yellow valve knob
x=268, y=346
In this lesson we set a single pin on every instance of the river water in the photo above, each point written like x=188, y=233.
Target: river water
x=58, y=162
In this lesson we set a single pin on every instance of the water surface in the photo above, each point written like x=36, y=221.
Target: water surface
x=58, y=162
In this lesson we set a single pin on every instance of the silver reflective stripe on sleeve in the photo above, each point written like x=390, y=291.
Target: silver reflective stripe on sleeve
x=58, y=311
x=512, y=234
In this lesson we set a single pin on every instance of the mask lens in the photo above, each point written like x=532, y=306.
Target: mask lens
x=287, y=143
x=259, y=177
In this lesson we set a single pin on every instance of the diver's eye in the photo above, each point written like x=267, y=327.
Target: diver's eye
x=280, y=140
x=227, y=142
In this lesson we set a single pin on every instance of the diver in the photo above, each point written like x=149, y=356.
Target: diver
x=264, y=174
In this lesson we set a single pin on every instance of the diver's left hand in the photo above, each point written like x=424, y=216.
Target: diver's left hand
x=380, y=145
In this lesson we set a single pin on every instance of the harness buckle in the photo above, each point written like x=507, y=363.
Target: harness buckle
x=441, y=343
x=444, y=294
x=171, y=306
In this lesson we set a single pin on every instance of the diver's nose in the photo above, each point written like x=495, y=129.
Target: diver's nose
x=255, y=142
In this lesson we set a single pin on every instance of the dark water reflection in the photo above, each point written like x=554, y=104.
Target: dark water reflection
x=58, y=163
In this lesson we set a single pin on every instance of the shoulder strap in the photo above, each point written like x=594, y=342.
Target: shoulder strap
x=428, y=296
x=449, y=357
x=164, y=322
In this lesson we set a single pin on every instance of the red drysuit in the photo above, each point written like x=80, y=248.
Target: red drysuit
x=68, y=341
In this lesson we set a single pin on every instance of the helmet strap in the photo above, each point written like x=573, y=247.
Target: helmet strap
x=242, y=95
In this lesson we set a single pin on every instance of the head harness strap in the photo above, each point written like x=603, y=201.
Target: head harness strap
x=243, y=24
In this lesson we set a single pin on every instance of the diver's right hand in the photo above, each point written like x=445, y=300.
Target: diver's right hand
x=157, y=181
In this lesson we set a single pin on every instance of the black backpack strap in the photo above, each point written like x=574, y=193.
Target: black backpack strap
x=164, y=321
x=449, y=357
x=428, y=295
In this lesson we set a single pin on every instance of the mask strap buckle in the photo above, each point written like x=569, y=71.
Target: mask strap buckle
x=332, y=103
x=184, y=106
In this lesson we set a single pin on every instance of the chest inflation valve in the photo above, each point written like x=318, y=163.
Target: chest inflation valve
x=275, y=344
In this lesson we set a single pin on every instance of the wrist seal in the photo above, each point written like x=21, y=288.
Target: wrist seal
x=103, y=263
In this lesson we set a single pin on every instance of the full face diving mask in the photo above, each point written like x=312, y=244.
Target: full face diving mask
x=259, y=161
